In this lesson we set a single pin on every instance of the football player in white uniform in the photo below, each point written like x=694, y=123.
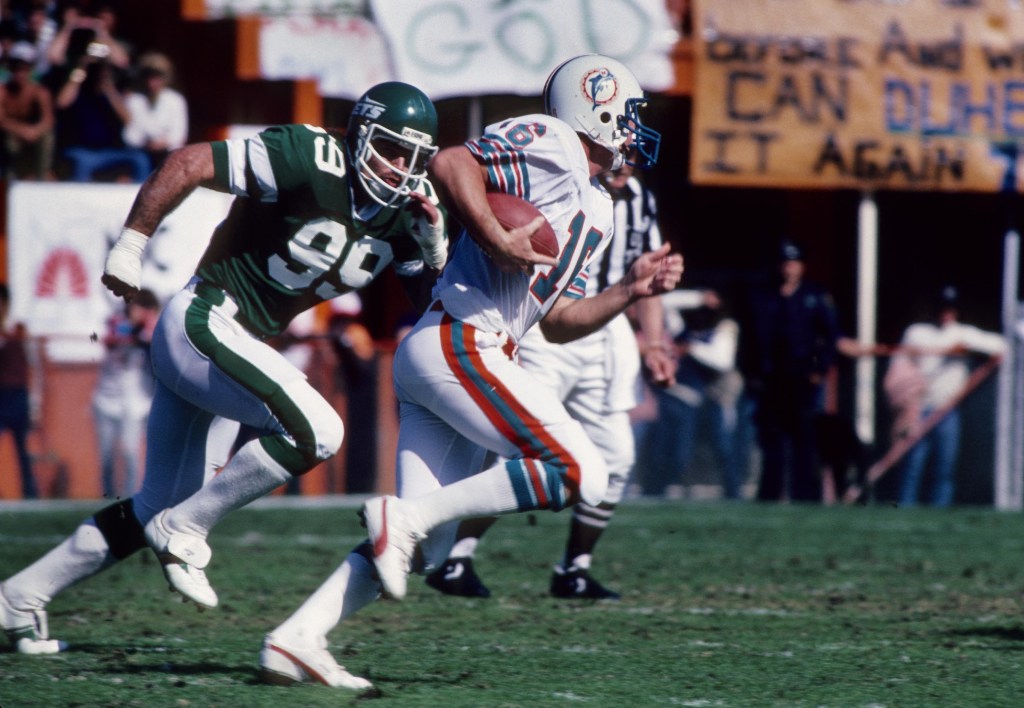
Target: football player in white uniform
x=314, y=217
x=461, y=393
x=596, y=378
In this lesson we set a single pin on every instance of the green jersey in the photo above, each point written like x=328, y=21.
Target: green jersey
x=292, y=237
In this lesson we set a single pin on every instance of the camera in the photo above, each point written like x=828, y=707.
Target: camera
x=98, y=50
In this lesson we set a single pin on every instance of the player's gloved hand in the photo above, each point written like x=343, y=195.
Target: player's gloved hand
x=429, y=231
x=122, y=273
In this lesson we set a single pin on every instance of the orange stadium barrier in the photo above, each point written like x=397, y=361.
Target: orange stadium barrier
x=66, y=458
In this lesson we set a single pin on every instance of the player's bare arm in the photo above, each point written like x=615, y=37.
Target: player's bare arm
x=180, y=174
x=653, y=273
x=659, y=361
x=462, y=182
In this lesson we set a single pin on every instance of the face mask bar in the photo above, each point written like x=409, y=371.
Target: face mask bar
x=418, y=155
x=646, y=141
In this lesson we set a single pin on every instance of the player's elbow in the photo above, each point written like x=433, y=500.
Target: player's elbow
x=557, y=328
x=193, y=163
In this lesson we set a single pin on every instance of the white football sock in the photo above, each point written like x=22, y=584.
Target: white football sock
x=464, y=548
x=486, y=493
x=581, y=561
x=81, y=555
x=249, y=475
x=352, y=586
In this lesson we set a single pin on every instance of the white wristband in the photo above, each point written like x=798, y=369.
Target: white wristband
x=132, y=241
x=124, y=262
x=433, y=241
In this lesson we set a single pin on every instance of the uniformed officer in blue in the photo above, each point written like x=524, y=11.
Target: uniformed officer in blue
x=788, y=346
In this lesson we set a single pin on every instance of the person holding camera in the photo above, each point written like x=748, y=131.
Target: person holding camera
x=88, y=69
x=90, y=31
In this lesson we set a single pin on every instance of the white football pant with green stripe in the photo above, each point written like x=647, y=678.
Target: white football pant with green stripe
x=208, y=366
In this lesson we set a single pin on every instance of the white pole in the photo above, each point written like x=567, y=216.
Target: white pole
x=1009, y=476
x=867, y=304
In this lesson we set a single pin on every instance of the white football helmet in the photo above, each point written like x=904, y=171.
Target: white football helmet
x=600, y=97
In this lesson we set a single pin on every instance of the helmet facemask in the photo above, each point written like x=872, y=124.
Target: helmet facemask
x=646, y=141
x=382, y=153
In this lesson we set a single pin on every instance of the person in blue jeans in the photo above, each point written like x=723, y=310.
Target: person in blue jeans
x=14, y=393
x=931, y=370
x=707, y=383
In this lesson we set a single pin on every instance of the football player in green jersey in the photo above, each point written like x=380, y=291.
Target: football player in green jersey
x=314, y=217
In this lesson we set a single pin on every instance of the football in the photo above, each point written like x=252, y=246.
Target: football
x=512, y=212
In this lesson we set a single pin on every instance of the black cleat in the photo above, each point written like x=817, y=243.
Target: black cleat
x=457, y=577
x=577, y=583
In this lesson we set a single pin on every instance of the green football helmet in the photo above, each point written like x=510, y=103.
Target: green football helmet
x=391, y=137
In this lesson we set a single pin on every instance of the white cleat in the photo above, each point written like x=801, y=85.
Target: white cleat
x=285, y=664
x=27, y=630
x=182, y=558
x=394, y=540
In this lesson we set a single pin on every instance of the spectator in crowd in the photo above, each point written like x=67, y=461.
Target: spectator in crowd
x=707, y=382
x=158, y=119
x=26, y=118
x=8, y=38
x=124, y=392
x=788, y=345
x=925, y=376
x=38, y=27
x=88, y=27
x=91, y=118
x=356, y=378
x=15, y=402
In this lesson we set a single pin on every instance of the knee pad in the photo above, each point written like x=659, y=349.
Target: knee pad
x=593, y=479
x=320, y=435
x=616, y=489
x=120, y=528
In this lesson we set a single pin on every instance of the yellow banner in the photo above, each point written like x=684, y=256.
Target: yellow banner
x=880, y=94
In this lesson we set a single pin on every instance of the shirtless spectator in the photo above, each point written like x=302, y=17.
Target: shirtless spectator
x=26, y=118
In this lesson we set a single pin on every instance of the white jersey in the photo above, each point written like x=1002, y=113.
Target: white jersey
x=540, y=159
x=635, y=232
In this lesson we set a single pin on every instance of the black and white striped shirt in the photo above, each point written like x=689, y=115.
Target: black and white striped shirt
x=635, y=232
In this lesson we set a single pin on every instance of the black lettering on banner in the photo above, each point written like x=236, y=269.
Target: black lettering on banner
x=830, y=155
x=808, y=96
x=719, y=164
x=870, y=160
x=790, y=50
x=1008, y=59
x=947, y=54
x=733, y=84
x=763, y=140
x=722, y=139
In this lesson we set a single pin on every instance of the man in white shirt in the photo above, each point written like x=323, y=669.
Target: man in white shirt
x=159, y=114
x=937, y=351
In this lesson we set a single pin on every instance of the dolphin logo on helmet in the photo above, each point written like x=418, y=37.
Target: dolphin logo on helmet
x=600, y=86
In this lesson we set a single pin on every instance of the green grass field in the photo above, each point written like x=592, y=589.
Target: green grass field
x=724, y=605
